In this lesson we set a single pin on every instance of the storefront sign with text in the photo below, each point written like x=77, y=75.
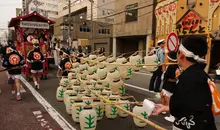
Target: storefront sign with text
x=190, y=24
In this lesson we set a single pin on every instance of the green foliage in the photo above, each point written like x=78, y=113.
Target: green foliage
x=116, y=68
x=86, y=69
x=61, y=92
x=122, y=91
x=107, y=85
x=99, y=111
x=138, y=63
x=90, y=122
x=78, y=109
x=66, y=83
x=114, y=111
x=94, y=71
x=87, y=102
x=129, y=72
x=144, y=114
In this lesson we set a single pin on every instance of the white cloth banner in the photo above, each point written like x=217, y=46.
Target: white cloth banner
x=30, y=24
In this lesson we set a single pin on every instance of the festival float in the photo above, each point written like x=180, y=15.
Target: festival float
x=27, y=28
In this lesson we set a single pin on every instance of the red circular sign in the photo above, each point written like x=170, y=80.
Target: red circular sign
x=172, y=42
x=14, y=59
x=67, y=65
x=37, y=56
x=189, y=21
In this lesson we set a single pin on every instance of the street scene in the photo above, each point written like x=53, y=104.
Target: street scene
x=110, y=65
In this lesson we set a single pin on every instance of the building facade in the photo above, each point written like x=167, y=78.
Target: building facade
x=133, y=26
x=191, y=17
x=47, y=8
x=81, y=25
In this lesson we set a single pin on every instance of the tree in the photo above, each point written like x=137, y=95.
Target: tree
x=107, y=85
x=87, y=102
x=90, y=122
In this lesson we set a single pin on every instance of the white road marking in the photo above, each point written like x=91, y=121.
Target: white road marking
x=22, y=90
x=142, y=73
x=143, y=89
x=54, y=114
x=43, y=122
x=157, y=95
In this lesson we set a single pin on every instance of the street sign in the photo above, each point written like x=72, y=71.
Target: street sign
x=172, y=42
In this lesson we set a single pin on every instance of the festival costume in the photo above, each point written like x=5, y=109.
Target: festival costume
x=191, y=102
x=65, y=65
x=36, y=58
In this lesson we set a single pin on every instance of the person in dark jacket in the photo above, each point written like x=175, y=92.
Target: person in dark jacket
x=13, y=61
x=65, y=64
x=191, y=102
x=36, y=58
x=169, y=83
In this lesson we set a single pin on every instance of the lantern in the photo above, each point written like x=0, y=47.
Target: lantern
x=102, y=71
x=60, y=93
x=87, y=100
x=67, y=93
x=135, y=59
x=77, y=107
x=125, y=70
x=99, y=107
x=113, y=74
x=140, y=111
x=125, y=106
x=111, y=111
x=117, y=86
x=88, y=119
x=151, y=60
x=70, y=100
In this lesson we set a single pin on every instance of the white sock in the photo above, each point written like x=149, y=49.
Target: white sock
x=18, y=93
x=35, y=82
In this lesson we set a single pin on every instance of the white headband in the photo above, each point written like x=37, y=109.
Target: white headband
x=190, y=54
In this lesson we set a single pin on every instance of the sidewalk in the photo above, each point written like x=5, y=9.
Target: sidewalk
x=27, y=114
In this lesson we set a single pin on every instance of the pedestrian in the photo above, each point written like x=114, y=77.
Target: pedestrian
x=156, y=78
x=13, y=61
x=169, y=83
x=65, y=65
x=191, y=102
x=36, y=58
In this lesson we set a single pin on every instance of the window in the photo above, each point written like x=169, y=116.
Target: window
x=103, y=12
x=104, y=31
x=84, y=29
x=131, y=12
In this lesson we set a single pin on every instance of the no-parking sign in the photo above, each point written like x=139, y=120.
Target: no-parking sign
x=172, y=42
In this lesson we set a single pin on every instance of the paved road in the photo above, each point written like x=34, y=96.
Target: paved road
x=22, y=115
x=137, y=86
x=48, y=91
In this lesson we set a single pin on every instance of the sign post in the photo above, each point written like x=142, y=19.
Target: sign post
x=172, y=42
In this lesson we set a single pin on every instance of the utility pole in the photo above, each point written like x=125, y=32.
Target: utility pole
x=69, y=23
x=91, y=22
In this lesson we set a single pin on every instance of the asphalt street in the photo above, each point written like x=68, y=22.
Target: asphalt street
x=137, y=86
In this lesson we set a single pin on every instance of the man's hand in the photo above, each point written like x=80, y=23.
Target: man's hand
x=159, y=108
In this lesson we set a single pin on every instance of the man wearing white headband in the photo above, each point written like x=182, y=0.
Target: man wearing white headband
x=36, y=58
x=191, y=102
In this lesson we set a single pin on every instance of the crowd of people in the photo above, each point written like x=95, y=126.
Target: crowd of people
x=185, y=93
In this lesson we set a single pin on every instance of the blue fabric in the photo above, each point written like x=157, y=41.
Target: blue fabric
x=160, y=54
